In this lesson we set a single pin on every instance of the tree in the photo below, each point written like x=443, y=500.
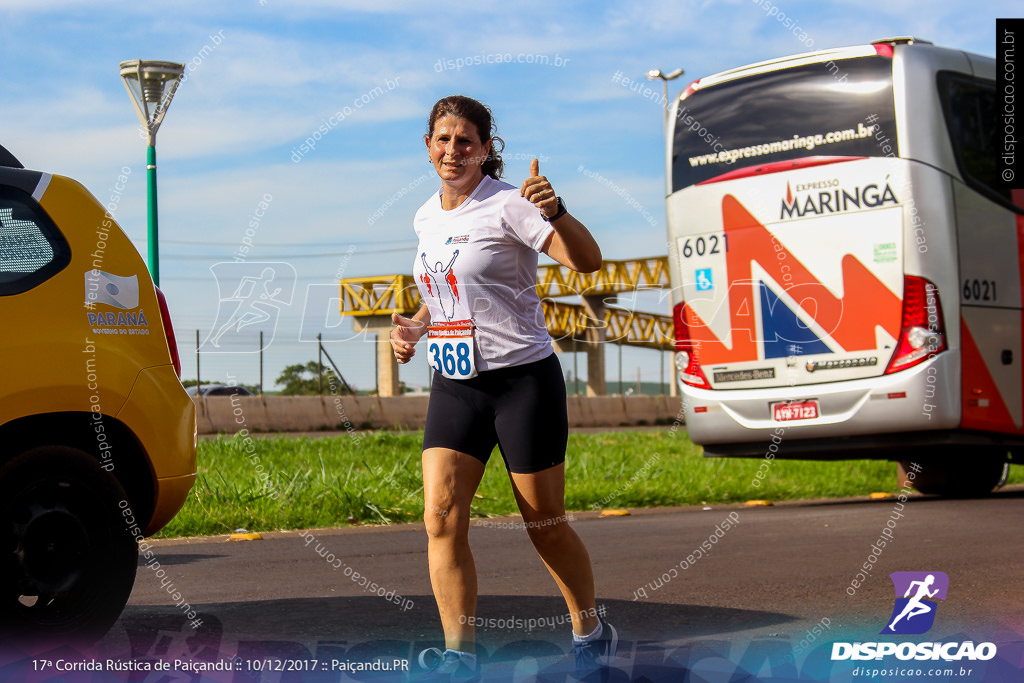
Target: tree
x=301, y=380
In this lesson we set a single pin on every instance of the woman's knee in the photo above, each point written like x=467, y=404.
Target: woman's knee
x=549, y=531
x=440, y=521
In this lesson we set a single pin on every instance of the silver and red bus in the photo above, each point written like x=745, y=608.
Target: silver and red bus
x=846, y=265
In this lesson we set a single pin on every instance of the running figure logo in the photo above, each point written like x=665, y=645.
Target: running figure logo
x=251, y=297
x=914, y=612
x=442, y=283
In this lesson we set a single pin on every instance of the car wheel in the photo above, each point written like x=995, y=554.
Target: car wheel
x=67, y=557
x=957, y=477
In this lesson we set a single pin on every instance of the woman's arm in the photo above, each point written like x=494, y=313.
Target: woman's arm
x=572, y=245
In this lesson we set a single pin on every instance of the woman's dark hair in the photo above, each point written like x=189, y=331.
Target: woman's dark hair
x=480, y=116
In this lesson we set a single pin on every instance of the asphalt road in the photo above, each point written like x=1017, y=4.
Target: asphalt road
x=780, y=577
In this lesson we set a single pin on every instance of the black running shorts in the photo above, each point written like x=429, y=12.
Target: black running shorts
x=521, y=409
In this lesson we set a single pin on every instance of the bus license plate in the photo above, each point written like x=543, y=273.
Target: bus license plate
x=797, y=410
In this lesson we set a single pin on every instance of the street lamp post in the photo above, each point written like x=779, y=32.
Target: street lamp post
x=665, y=78
x=151, y=86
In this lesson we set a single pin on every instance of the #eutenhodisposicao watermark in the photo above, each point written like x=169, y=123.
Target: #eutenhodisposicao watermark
x=887, y=534
x=147, y=554
x=730, y=521
x=528, y=624
x=362, y=580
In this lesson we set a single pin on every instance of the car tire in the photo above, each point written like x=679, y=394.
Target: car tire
x=67, y=556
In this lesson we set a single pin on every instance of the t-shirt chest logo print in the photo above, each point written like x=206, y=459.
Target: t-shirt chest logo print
x=443, y=284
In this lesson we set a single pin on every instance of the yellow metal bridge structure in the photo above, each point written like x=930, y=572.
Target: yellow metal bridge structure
x=583, y=326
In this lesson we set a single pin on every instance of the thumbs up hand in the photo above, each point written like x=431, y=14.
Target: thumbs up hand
x=538, y=190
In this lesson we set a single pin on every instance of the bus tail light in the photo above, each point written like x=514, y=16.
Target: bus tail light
x=686, y=357
x=923, y=333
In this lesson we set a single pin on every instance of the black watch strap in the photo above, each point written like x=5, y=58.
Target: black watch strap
x=558, y=214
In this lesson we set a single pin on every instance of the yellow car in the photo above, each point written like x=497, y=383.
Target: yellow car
x=97, y=435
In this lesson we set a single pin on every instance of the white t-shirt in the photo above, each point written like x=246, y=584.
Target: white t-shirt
x=479, y=262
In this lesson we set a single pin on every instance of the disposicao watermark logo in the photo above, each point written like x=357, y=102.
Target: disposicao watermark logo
x=251, y=297
x=913, y=614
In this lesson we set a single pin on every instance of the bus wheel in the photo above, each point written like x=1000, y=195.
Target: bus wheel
x=955, y=477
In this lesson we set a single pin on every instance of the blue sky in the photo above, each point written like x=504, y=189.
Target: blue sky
x=265, y=75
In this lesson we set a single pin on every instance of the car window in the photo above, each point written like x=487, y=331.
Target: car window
x=32, y=249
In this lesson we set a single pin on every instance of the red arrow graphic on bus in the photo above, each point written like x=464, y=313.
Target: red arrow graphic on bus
x=850, y=320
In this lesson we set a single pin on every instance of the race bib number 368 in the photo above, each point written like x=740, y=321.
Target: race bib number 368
x=451, y=350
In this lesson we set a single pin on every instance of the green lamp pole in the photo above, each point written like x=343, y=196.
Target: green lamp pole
x=151, y=86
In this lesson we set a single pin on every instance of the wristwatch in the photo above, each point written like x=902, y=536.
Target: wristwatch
x=558, y=214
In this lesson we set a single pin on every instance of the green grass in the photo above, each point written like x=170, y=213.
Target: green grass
x=375, y=479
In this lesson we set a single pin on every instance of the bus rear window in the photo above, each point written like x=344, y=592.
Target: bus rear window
x=841, y=108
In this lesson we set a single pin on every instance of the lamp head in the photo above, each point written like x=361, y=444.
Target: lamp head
x=151, y=85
